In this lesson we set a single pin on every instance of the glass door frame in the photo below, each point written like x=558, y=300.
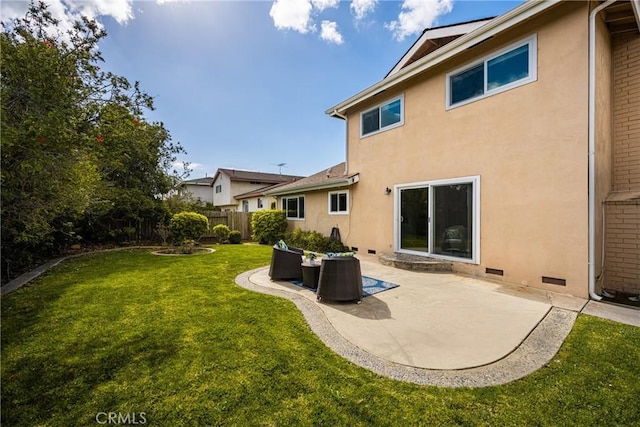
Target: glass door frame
x=475, y=183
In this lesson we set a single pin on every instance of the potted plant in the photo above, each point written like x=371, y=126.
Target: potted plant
x=311, y=256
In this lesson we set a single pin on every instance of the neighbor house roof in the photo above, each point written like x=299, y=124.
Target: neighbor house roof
x=407, y=69
x=260, y=192
x=206, y=181
x=252, y=176
x=333, y=177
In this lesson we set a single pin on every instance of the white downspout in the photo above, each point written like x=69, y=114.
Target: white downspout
x=346, y=139
x=592, y=149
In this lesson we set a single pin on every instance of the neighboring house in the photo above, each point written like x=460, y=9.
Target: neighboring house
x=227, y=184
x=199, y=188
x=318, y=202
x=256, y=200
x=509, y=146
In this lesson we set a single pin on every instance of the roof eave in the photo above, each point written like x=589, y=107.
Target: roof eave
x=345, y=182
x=491, y=28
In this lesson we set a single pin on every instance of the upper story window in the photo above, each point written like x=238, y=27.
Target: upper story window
x=505, y=69
x=383, y=117
x=293, y=207
x=339, y=202
x=218, y=188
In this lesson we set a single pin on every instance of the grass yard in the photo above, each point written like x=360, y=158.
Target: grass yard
x=176, y=339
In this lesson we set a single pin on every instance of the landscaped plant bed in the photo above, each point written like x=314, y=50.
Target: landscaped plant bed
x=179, y=251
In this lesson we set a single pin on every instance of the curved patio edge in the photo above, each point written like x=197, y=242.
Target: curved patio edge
x=537, y=349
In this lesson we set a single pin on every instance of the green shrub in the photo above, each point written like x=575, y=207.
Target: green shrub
x=268, y=226
x=235, y=237
x=187, y=226
x=221, y=233
x=187, y=247
x=313, y=241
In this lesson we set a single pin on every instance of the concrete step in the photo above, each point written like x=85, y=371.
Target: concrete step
x=414, y=262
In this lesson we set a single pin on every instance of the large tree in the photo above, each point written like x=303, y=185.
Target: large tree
x=75, y=145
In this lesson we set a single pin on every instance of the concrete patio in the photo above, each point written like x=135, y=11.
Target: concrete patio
x=438, y=328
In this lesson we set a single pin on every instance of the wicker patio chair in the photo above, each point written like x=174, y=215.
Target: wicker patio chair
x=340, y=279
x=286, y=264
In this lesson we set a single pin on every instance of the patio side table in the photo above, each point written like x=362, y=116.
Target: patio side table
x=310, y=275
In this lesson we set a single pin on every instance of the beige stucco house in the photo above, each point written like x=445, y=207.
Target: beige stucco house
x=318, y=202
x=509, y=146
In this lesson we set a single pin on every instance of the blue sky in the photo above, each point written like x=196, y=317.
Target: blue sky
x=244, y=84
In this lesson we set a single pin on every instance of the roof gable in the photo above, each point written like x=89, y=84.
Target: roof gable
x=434, y=38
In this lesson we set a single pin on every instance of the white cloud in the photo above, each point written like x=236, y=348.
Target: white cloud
x=420, y=14
x=120, y=10
x=171, y=1
x=330, y=33
x=325, y=4
x=10, y=10
x=363, y=7
x=69, y=11
x=292, y=15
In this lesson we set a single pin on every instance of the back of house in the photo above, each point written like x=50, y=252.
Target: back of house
x=508, y=146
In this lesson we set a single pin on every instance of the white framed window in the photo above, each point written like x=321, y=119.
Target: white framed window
x=218, y=188
x=507, y=68
x=383, y=117
x=339, y=202
x=293, y=207
x=245, y=206
x=260, y=204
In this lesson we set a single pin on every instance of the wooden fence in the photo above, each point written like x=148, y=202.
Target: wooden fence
x=240, y=221
x=146, y=229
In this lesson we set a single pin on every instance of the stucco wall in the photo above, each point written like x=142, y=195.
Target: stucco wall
x=224, y=197
x=528, y=145
x=200, y=192
x=317, y=217
x=253, y=203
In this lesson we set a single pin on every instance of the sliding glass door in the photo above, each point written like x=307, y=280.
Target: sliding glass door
x=414, y=226
x=439, y=218
x=453, y=221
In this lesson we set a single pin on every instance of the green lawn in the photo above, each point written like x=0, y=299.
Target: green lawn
x=176, y=339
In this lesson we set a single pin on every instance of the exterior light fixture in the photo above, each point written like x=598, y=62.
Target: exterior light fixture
x=387, y=191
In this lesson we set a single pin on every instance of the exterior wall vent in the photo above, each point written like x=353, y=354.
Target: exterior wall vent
x=494, y=271
x=554, y=281
x=354, y=249
x=371, y=251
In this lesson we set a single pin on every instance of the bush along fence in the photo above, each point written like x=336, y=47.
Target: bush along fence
x=147, y=230
x=240, y=221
